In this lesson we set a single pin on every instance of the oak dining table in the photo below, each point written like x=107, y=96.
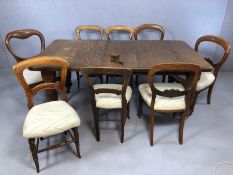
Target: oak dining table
x=137, y=55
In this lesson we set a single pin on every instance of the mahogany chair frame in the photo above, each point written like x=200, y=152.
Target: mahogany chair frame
x=95, y=28
x=126, y=74
x=216, y=66
x=24, y=34
x=44, y=61
x=118, y=28
x=122, y=28
x=192, y=71
x=78, y=31
x=154, y=27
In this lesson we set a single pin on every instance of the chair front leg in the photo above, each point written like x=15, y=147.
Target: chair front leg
x=33, y=149
x=210, y=93
x=76, y=139
x=151, y=127
x=96, y=119
x=140, y=106
x=181, y=128
x=123, y=119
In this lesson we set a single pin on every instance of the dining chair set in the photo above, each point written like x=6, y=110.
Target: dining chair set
x=178, y=95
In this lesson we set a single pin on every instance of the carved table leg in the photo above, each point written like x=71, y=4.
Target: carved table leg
x=49, y=76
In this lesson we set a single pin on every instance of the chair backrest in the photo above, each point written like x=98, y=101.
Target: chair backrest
x=98, y=29
x=221, y=42
x=23, y=34
x=192, y=72
x=121, y=28
x=125, y=73
x=154, y=27
x=42, y=62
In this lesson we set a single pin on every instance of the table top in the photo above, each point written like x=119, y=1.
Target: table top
x=137, y=55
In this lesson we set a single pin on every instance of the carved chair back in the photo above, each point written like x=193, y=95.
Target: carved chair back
x=127, y=29
x=154, y=27
x=42, y=62
x=125, y=73
x=98, y=29
x=192, y=72
x=23, y=34
x=221, y=42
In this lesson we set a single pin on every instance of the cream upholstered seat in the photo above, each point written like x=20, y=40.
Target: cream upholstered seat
x=108, y=100
x=163, y=103
x=49, y=119
x=32, y=77
x=207, y=78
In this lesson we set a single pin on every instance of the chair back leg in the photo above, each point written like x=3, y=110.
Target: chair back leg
x=140, y=105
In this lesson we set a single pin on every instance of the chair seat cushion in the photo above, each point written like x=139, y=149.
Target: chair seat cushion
x=108, y=100
x=206, y=79
x=32, y=77
x=163, y=103
x=49, y=119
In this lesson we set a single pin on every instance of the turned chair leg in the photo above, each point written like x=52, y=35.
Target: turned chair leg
x=78, y=79
x=181, y=128
x=76, y=138
x=68, y=81
x=209, y=94
x=140, y=105
x=151, y=127
x=33, y=149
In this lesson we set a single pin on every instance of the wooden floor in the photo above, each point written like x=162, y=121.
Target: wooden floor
x=208, y=138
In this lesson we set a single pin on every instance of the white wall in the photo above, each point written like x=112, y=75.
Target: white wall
x=56, y=19
x=227, y=33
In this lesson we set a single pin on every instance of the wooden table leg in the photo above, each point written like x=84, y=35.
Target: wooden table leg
x=49, y=76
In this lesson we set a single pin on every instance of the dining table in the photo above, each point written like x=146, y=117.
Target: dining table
x=136, y=55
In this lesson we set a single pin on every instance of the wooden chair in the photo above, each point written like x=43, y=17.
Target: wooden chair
x=78, y=31
x=208, y=79
x=31, y=77
x=109, y=96
x=120, y=28
x=51, y=118
x=153, y=27
x=95, y=28
x=169, y=97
